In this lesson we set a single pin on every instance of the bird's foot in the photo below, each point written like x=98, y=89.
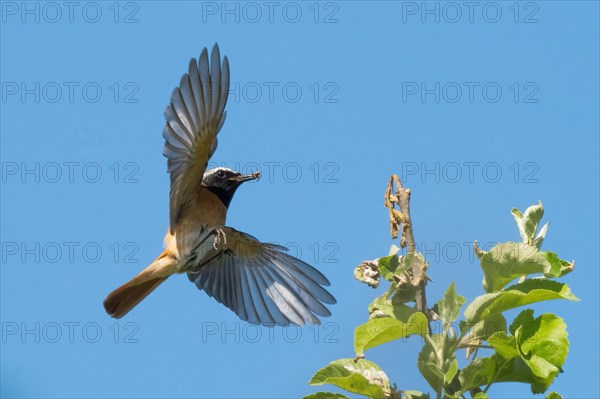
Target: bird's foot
x=220, y=243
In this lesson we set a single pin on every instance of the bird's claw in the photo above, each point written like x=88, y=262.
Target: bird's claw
x=220, y=243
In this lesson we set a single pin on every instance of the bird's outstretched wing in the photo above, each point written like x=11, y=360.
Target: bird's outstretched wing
x=194, y=117
x=261, y=283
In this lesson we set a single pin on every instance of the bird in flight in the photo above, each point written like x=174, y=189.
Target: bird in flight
x=259, y=281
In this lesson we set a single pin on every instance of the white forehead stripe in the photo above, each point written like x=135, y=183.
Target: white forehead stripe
x=215, y=170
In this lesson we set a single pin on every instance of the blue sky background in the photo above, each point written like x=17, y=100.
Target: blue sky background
x=355, y=122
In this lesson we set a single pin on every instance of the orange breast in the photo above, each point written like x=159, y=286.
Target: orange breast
x=204, y=213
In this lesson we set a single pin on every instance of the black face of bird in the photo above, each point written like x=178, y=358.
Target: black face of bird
x=226, y=179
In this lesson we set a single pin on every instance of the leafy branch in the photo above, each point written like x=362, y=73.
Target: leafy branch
x=530, y=350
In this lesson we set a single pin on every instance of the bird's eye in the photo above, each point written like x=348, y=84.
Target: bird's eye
x=220, y=174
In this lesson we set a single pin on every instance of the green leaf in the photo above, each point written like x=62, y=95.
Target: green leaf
x=449, y=306
x=409, y=260
x=518, y=216
x=529, y=291
x=415, y=395
x=528, y=222
x=483, y=370
x=362, y=377
x=381, y=330
x=559, y=267
x=481, y=395
x=508, y=261
x=325, y=395
x=554, y=395
x=387, y=266
x=484, y=329
x=517, y=371
x=382, y=307
x=394, y=250
x=539, y=239
x=405, y=285
x=535, y=352
x=478, y=373
x=504, y=344
x=428, y=362
x=451, y=370
x=542, y=342
x=522, y=318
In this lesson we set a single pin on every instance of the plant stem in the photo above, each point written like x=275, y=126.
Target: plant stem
x=475, y=346
x=403, y=201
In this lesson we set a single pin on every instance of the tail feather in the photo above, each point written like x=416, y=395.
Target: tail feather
x=119, y=302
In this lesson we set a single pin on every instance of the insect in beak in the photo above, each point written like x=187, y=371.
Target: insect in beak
x=244, y=178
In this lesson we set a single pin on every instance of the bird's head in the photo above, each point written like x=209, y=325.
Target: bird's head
x=223, y=182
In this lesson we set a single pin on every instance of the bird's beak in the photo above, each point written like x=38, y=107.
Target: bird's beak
x=244, y=178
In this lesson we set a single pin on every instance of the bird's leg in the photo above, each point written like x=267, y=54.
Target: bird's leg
x=220, y=243
x=202, y=241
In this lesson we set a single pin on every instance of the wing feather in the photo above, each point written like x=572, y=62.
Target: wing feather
x=291, y=297
x=278, y=318
x=308, y=298
x=263, y=284
x=248, y=301
x=194, y=117
x=264, y=315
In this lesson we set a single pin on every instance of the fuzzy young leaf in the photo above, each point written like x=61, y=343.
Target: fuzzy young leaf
x=362, y=377
x=325, y=395
x=528, y=222
x=481, y=395
x=539, y=239
x=508, y=261
x=449, y=306
x=387, y=266
x=393, y=249
x=428, y=362
x=381, y=330
x=554, y=395
x=529, y=291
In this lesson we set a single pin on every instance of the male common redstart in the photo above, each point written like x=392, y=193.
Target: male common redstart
x=260, y=282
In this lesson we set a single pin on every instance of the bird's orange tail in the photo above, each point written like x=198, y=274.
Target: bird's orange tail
x=119, y=302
